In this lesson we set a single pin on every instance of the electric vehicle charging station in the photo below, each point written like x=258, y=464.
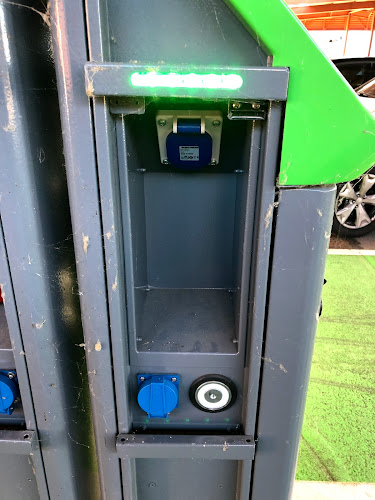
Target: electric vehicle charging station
x=201, y=209
x=201, y=172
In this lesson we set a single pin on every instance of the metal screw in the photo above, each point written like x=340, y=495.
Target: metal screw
x=213, y=162
x=236, y=105
x=174, y=379
x=142, y=379
x=238, y=171
x=11, y=375
x=255, y=105
x=216, y=123
x=162, y=123
x=152, y=485
x=16, y=401
x=165, y=162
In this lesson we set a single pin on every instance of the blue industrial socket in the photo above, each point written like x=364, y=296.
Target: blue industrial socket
x=158, y=394
x=9, y=391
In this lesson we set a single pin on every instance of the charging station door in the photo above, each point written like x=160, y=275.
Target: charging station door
x=172, y=162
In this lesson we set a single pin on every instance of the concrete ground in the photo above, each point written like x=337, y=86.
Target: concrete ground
x=317, y=490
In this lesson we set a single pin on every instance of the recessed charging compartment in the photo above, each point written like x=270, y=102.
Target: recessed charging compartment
x=185, y=236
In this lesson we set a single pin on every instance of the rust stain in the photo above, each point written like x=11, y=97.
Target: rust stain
x=114, y=286
x=86, y=241
x=40, y=325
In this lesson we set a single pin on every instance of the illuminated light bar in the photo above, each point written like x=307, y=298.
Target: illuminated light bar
x=189, y=80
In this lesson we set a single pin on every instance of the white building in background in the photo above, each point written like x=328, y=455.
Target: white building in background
x=332, y=43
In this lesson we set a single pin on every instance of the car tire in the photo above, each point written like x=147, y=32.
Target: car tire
x=354, y=213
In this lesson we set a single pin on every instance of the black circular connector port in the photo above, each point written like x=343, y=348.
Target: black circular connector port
x=213, y=393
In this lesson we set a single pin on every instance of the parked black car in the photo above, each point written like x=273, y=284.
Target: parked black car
x=354, y=213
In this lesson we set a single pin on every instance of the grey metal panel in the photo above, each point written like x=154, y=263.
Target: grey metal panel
x=113, y=79
x=69, y=31
x=174, y=243
x=36, y=224
x=17, y=478
x=302, y=234
x=183, y=31
x=19, y=362
x=185, y=446
x=4, y=330
x=17, y=442
x=186, y=479
x=6, y=359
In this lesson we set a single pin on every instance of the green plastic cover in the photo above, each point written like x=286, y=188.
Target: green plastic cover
x=329, y=136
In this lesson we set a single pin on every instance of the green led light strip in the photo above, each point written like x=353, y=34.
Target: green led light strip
x=189, y=80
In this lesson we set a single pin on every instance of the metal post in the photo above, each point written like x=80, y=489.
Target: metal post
x=372, y=32
x=347, y=33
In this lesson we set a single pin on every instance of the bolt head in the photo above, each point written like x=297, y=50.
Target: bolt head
x=174, y=379
x=165, y=162
x=142, y=379
x=162, y=123
x=213, y=162
x=216, y=123
x=236, y=105
x=11, y=375
x=255, y=105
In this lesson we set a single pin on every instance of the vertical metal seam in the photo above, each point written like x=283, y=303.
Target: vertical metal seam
x=92, y=114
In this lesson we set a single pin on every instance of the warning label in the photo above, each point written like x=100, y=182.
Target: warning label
x=189, y=153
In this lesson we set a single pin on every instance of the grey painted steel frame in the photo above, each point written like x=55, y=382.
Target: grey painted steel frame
x=259, y=259
x=18, y=442
x=302, y=232
x=259, y=83
x=71, y=53
x=209, y=447
x=36, y=226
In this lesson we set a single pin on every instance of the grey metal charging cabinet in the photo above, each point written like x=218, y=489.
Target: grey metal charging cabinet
x=187, y=273
x=47, y=449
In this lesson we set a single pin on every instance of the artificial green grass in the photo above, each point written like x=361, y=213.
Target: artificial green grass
x=338, y=435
